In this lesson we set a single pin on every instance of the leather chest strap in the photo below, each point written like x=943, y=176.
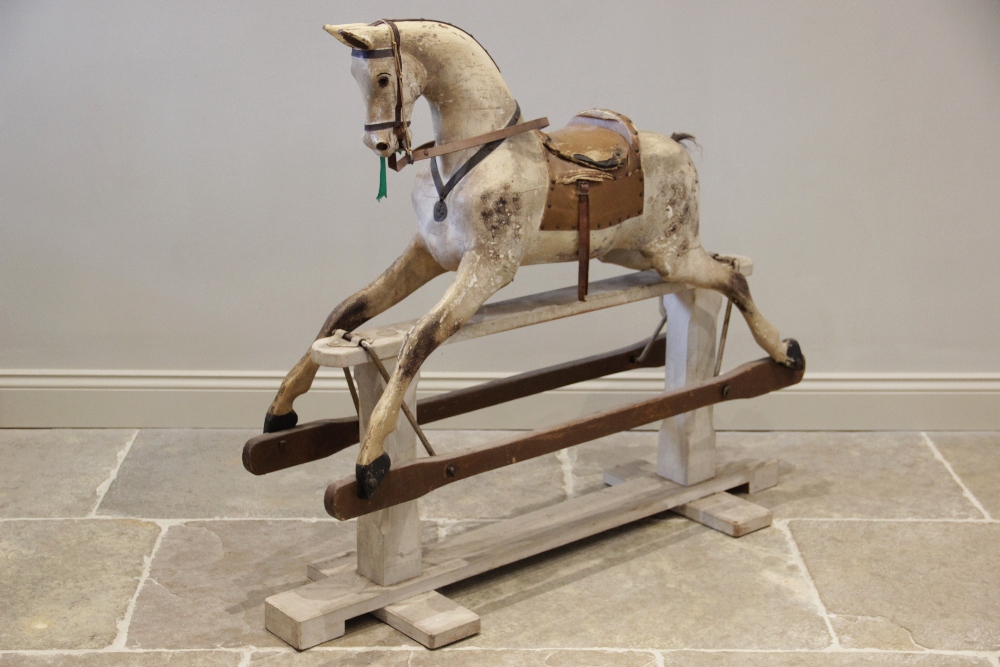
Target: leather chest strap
x=440, y=207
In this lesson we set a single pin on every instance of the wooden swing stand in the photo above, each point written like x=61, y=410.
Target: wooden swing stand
x=393, y=576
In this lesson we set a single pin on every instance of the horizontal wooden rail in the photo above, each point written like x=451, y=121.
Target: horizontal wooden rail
x=501, y=316
x=523, y=311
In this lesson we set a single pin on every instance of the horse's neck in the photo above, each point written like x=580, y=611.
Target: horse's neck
x=452, y=124
x=466, y=93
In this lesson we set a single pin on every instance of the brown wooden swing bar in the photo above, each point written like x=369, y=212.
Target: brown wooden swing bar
x=413, y=479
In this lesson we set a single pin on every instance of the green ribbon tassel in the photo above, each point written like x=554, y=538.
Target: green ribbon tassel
x=382, y=189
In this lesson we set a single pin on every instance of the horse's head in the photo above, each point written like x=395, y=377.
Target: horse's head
x=388, y=82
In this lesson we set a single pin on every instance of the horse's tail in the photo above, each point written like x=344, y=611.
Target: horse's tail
x=681, y=137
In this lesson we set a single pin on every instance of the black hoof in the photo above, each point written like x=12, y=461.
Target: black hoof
x=370, y=476
x=274, y=423
x=795, y=361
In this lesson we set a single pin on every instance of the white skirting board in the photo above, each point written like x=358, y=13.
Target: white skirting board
x=221, y=399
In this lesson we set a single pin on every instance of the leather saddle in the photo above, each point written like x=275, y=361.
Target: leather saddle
x=601, y=148
x=595, y=178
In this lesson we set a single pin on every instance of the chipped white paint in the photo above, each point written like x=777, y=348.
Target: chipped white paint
x=494, y=213
x=567, y=459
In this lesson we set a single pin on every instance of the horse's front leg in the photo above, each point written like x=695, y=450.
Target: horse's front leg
x=414, y=268
x=476, y=280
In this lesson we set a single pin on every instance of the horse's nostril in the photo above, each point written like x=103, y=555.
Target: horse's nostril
x=381, y=145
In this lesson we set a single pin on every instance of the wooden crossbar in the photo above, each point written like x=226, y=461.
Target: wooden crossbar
x=514, y=314
x=502, y=316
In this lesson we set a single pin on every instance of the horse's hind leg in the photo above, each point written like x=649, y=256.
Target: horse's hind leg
x=696, y=267
x=414, y=268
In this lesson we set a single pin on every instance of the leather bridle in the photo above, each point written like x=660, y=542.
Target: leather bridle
x=401, y=127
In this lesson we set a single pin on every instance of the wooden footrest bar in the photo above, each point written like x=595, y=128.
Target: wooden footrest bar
x=316, y=612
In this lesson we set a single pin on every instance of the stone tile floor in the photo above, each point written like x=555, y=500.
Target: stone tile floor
x=155, y=548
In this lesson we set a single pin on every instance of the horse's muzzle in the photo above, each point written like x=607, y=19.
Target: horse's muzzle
x=381, y=142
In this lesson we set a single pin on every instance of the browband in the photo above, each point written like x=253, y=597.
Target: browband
x=368, y=54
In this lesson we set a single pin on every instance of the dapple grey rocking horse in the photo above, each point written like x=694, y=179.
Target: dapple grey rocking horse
x=498, y=194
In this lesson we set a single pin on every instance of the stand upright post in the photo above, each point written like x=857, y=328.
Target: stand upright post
x=389, y=548
x=687, y=442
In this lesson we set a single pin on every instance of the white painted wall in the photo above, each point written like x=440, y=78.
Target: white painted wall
x=183, y=185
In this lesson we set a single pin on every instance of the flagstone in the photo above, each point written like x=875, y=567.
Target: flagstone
x=56, y=472
x=67, y=583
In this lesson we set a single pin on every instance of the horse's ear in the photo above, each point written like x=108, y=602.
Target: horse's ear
x=354, y=35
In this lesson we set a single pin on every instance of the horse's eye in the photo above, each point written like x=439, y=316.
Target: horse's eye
x=383, y=80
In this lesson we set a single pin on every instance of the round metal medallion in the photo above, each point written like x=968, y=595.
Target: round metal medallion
x=440, y=210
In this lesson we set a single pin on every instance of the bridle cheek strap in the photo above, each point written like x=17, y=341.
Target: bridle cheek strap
x=399, y=127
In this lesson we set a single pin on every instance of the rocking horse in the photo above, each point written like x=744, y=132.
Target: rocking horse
x=496, y=194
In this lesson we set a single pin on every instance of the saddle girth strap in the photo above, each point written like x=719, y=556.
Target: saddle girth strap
x=443, y=189
x=583, y=276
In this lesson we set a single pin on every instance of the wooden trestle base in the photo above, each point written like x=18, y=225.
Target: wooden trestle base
x=393, y=576
x=316, y=612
